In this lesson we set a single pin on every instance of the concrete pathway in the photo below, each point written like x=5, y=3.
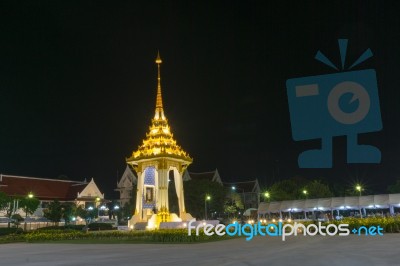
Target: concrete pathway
x=300, y=250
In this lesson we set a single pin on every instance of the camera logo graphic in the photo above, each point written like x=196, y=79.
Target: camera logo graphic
x=338, y=104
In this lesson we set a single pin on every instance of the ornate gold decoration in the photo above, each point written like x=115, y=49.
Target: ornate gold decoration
x=163, y=215
x=159, y=141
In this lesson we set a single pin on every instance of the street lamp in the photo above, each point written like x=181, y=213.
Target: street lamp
x=97, y=206
x=305, y=192
x=205, y=206
x=359, y=188
x=267, y=195
x=30, y=195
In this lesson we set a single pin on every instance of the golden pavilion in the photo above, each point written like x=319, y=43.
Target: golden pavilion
x=155, y=158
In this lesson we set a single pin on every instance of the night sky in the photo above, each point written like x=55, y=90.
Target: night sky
x=78, y=84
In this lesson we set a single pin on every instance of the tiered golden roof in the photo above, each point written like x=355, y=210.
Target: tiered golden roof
x=159, y=140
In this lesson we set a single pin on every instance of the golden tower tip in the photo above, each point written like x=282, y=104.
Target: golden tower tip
x=158, y=60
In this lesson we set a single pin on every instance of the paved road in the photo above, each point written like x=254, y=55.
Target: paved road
x=350, y=250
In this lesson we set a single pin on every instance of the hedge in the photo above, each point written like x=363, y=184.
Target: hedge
x=78, y=227
x=11, y=230
x=100, y=226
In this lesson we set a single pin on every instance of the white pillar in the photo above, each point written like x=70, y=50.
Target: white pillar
x=179, y=190
x=139, y=194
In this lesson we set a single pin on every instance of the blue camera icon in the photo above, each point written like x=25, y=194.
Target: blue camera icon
x=339, y=104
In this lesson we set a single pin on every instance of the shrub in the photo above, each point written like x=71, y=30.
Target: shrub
x=8, y=231
x=77, y=227
x=100, y=226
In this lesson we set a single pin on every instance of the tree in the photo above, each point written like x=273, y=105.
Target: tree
x=4, y=201
x=29, y=205
x=288, y=189
x=394, y=188
x=233, y=203
x=68, y=210
x=6, y=205
x=316, y=189
x=54, y=212
x=196, y=192
x=63, y=177
x=85, y=214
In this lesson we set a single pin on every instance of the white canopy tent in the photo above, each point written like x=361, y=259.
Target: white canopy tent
x=385, y=201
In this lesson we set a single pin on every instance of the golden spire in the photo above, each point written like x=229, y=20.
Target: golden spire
x=159, y=106
x=159, y=141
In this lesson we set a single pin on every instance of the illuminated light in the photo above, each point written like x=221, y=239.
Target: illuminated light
x=131, y=227
x=234, y=222
x=289, y=220
x=341, y=207
x=377, y=206
x=204, y=223
x=280, y=220
x=370, y=206
x=294, y=209
x=314, y=208
x=273, y=220
x=271, y=228
x=30, y=195
x=348, y=207
x=73, y=219
x=184, y=225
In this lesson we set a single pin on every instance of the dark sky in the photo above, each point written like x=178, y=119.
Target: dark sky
x=78, y=84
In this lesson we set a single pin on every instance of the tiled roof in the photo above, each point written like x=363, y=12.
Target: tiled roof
x=43, y=189
x=202, y=176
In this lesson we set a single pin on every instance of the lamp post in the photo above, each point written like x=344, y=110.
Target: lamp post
x=205, y=206
x=116, y=208
x=267, y=196
x=305, y=192
x=98, y=207
x=359, y=189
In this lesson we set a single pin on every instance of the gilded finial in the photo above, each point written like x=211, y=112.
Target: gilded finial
x=158, y=60
x=159, y=105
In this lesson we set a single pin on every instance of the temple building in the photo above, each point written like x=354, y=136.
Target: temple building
x=81, y=193
x=212, y=176
x=126, y=185
x=155, y=158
